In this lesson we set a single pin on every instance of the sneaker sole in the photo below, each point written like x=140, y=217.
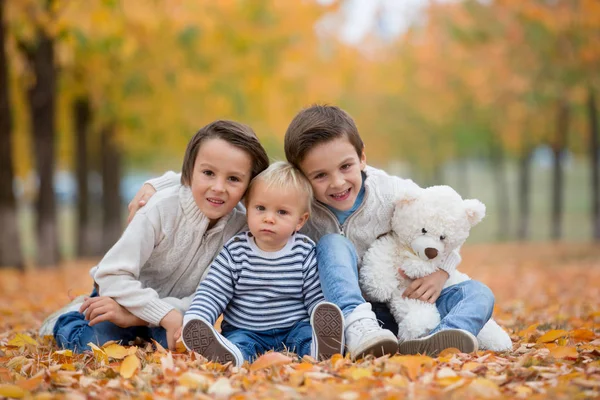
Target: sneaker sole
x=438, y=342
x=328, y=324
x=201, y=338
x=379, y=349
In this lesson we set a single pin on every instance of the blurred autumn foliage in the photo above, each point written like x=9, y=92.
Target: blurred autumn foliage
x=105, y=86
x=547, y=298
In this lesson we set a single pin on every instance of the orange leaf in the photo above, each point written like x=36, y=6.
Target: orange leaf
x=552, y=335
x=32, y=383
x=530, y=330
x=129, y=366
x=564, y=352
x=270, y=360
x=412, y=364
x=582, y=334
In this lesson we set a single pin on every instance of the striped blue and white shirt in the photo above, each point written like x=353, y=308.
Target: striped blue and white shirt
x=259, y=290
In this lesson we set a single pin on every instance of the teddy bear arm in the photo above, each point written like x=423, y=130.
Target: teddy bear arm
x=378, y=274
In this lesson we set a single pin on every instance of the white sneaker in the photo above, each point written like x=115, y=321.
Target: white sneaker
x=47, y=328
x=327, y=323
x=202, y=338
x=365, y=336
x=433, y=344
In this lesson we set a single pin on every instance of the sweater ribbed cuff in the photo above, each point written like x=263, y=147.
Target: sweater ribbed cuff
x=451, y=262
x=169, y=179
x=155, y=311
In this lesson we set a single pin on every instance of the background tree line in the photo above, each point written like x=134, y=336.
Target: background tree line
x=106, y=86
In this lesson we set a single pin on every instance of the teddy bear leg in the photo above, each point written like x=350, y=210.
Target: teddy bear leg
x=419, y=318
x=493, y=337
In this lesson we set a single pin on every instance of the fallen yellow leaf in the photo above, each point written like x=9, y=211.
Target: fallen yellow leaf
x=192, y=380
x=99, y=354
x=552, y=335
x=564, y=352
x=21, y=339
x=12, y=391
x=130, y=364
x=270, y=359
x=357, y=373
x=118, y=352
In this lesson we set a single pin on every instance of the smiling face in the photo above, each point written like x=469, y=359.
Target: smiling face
x=334, y=171
x=220, y=177
x=274, y=214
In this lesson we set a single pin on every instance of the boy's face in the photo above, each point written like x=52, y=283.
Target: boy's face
x=334, y=171
x=274, y=215
x=220, y=178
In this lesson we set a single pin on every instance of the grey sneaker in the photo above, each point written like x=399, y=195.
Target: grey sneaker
x=47, y=328
x=202, y=338
x=327, y=323
x=433, y=344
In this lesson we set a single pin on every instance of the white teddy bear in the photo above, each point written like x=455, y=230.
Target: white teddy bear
x=427, y=225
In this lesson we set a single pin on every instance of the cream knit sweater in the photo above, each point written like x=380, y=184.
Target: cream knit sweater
x=163, y=254
x=371, y=220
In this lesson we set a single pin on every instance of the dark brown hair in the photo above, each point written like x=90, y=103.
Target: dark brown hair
x=234, y=133
x=318, y=124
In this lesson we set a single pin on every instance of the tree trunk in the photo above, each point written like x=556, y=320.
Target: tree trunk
x=111, y=176
x=81, y=111
x=595, y=163
x=524, y=192
x=41, y=97
x=10, y=243
x=502, y=195
x=558, y=147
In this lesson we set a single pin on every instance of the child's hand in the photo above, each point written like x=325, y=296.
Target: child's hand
x=177, y=335
x=140, y=199
x=427, y=288
x=102, y=308
x=172, y=322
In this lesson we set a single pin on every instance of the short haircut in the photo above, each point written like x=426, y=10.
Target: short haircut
x=283, y=175
x=234, y=133
x=319, y=124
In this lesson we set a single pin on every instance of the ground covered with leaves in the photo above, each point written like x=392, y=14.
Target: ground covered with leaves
x=547, y=298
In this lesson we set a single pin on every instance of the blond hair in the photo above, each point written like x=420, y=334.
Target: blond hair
x=283, y=175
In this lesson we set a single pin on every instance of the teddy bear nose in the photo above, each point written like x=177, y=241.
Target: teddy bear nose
x=431, y=253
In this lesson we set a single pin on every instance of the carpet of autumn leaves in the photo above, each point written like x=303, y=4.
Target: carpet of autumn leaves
x=547, y=297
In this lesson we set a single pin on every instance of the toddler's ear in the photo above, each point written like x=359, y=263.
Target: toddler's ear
x=475, y=210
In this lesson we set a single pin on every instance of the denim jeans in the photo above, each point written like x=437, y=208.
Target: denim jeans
x=298, y=339
x=467, y=305
x=73, y=332
x=338, y=272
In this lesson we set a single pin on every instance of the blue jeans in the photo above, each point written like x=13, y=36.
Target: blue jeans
x=252, y=343
x=467, y=305
x=73, y=332
x=337, y=263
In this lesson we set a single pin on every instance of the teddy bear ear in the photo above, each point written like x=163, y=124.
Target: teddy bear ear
x=475, y=210
x=407, y=198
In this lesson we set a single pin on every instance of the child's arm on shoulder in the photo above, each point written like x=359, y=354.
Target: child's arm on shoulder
x=151, y=186
x=311, y=286
x=214, y=292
